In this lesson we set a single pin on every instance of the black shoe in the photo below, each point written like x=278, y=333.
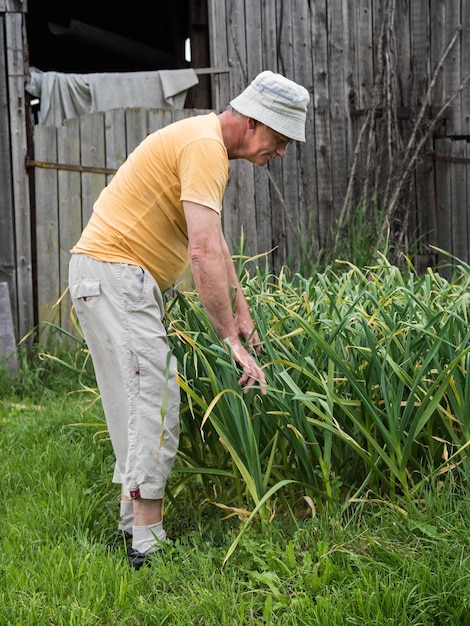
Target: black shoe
x=119, y=538
x=137, y=559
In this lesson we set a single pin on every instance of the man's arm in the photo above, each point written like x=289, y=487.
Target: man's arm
x=215, y=280
x=243, y=321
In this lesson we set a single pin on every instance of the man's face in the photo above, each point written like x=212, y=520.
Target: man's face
x=265, y=144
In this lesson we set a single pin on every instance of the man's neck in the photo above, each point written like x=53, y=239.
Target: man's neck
x=233, y=133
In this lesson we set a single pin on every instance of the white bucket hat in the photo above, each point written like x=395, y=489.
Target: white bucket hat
x=277, y=102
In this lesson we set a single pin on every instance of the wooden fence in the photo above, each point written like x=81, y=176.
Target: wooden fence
x=72, y=165
x=353, y=56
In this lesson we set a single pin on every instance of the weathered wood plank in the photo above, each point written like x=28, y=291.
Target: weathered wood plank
x=322, y=119
x=443, y=198
x=115, y=139
x=14, y=25
x=289, y=205
x=458, y=201
x=245, y=212
x=425, y=202
x=243, y=216
x=452, y=67
x=159, y=118
x=273, y=209
x=337, y=98
x=420, y=50
x=92, y=133
x=402, y=38
x=426, y=223
x=269, y=39
x=261, y=210
x=230, y=208
x=271, y=60
x=253, y=26
x=438, y=45
x=366, y=49
x=305, y=153
x=136, y=128
x=366, y=52
x=234, y=24
x=8, y=355
x=13, y=6
x=352, y=79
x=464, y=62
x=258, y=228
x=217, y=18
x=7, y=228
x=236, y=40
x=70, y=209
x=47, y=227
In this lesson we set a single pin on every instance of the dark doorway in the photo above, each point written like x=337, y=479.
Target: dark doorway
x=84, y=36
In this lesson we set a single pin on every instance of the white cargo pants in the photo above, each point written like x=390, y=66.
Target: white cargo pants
x=120, y=310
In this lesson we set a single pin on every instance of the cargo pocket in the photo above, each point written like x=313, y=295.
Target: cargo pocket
x=85, y=289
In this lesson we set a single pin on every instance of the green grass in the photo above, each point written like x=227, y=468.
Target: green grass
x=365, y=561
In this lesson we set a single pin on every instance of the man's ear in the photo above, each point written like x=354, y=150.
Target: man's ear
x=252, y=124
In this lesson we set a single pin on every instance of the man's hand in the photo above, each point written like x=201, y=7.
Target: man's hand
x=247, y=332
x=253, y=375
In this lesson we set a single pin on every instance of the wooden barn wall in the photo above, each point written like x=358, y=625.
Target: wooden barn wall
x=330, y=46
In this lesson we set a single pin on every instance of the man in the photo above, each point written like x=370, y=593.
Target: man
x=161, y=209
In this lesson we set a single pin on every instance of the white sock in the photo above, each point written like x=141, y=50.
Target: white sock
x=146, y=538
x=126, y=516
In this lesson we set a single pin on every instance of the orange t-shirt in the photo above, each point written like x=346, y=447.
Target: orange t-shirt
x=138, y=218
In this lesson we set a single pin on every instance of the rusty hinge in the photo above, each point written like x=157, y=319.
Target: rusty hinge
x=71, y=168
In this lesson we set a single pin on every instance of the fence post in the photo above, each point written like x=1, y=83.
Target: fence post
x=8, y=355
